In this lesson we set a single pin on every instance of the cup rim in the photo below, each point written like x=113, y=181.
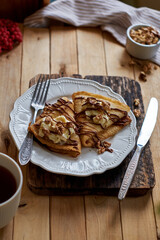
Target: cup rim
x=139, y=44
x=20, y=183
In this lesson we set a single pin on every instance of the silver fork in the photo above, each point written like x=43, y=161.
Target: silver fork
x=37, y=103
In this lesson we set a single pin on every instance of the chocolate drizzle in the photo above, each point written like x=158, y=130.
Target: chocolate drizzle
x=59, y=106
x=103, y=107
x=95, y=105
x=60, y=126
x=77, y=121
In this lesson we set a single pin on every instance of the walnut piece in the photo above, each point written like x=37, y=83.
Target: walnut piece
x=136, y=101
x=103, y=146
x=155, y=67
x=147, y=68
x=137, y=112
x=142, y=76
x=98, y=117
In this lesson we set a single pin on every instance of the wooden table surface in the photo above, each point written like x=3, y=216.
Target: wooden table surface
x=88, y=51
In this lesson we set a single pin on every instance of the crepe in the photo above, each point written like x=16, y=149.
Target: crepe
x=56, y=128
x=99, y=118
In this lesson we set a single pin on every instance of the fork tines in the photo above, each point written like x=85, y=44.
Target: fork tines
x=41, y=90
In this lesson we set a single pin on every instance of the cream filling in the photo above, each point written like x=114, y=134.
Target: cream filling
x=56, y=138
x=98, y=118
x=59, y=138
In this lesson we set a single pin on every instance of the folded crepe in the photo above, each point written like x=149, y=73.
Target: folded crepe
x=99, y=118
x=56, y=128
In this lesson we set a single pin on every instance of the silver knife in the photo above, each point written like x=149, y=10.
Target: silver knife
x=145, y=134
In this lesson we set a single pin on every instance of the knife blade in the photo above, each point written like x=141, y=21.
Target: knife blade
x=145, y=134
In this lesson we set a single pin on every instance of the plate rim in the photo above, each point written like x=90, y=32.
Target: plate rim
x=79, y=81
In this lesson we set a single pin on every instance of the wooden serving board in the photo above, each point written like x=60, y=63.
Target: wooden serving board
x=108, y=183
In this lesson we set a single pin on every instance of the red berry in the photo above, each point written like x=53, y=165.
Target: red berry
x=10, y=34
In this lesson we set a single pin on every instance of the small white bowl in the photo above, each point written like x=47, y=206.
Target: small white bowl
x=139, y=50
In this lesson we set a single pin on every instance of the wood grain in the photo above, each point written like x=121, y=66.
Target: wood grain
x=138, y=218
x=109, y=182
x=91, y=57
x=10, y=68
x=117, y=59
x=102, y=212
x=36, y=52
x=89, y=217
x=87, y=65
x=32, y=219
x=67, y=216
x=7, y=232
x=63, y=58
x=132, y=229
x=151, y=89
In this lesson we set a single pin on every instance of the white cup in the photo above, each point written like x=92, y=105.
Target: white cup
x=9, y=207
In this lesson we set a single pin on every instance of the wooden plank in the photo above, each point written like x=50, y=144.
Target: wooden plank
x=73, y=226
x=138, y=219
x=10, y=68
x=63, y=50
x=103, y=218
x=91, y=60
x=7, y=232
x=35, y=54
x=151, y=89
x=155, y=140
x=67, y=218
x=91, y=57
x=117, y=59
x=32, y=219
x=129, y=215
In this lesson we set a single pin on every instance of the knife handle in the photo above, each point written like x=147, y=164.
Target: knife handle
x=129, y=173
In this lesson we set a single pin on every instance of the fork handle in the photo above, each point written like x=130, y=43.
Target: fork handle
x=26, y=149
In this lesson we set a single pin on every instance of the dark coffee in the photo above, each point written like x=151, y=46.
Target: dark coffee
x=8, y=184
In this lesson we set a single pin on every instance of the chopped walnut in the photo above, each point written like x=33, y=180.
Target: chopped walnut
x=103, y=146
x=48, y=119
x=136, y=101
x=60, y=128
x=145, y=35
x=98, y=117
x=137, y=112
x=69, y=125
x=142, y=76
x=147, y=68
x=96, y=103
x=101, y=150
x=155, y=67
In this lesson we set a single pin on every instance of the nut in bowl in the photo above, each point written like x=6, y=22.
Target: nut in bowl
x=142, y=41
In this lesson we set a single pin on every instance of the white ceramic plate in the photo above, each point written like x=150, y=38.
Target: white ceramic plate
x=89, y=162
